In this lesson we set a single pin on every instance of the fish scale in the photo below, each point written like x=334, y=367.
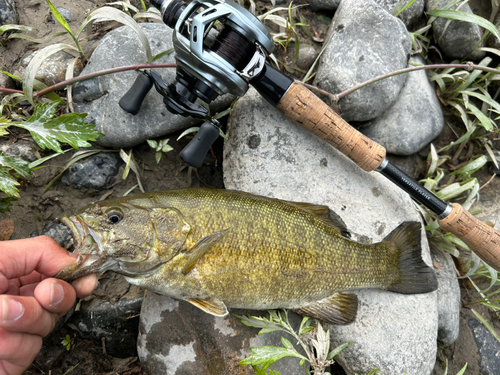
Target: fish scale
x=219, y=249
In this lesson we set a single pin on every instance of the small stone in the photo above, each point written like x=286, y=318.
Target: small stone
x=22, y=149
x=307, y=56
x=112, y=323
x=413, y=121
x=8, y=13
x=488, y=347
x=367, y=42
x=58, y=231
x=96, y=172
x=66, y=13
x=53, y=69
x=456, y=39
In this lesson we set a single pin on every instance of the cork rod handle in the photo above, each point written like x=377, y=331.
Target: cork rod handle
x=304, y=108
x=480, y=237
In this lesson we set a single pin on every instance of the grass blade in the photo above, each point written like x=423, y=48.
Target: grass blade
x=467, y=17
x=487, y=325
x=35, y=63
x=112, y=14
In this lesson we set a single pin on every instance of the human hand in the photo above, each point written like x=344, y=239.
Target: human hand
x=30, y=300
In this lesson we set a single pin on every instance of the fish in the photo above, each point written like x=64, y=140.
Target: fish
x=220, y=249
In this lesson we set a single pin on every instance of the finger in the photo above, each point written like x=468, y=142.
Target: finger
x=27, y=290
x=18, y=351
x=25, y=314
x=22, y=257
x=56, y=296
x=85, y=285
x=33, y=278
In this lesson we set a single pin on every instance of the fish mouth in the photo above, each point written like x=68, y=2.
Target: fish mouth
x=87, y=245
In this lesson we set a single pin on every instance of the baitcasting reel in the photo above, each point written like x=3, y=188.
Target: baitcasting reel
x=220, y=47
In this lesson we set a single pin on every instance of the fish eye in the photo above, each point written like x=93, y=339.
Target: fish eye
x=115, y=217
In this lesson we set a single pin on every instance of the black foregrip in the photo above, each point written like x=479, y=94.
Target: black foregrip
x=196, y=150
x=131, y=102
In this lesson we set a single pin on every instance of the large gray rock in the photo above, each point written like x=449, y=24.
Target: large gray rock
x=176, y=338
x=367, y=42
x=8, y=13
x=448, y=297
x=410, y=16
x=413, y=121
x=266, y=154
x=99, y=97
x=456, y=39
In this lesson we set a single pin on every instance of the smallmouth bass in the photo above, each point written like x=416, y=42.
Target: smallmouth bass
x=220, y=249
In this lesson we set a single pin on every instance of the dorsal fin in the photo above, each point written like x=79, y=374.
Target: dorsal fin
x=340, y=309
x=200, y=248
x=325, y=214
x=217, y=308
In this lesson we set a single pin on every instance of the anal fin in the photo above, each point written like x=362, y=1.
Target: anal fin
x=339, y=309
x=216, y=308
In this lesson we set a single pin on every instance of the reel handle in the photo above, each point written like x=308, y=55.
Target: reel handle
x=196, y=150
x=480, y=237
x=304, y=108
x=131, y=102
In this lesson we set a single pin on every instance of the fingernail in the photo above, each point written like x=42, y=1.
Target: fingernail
x=73, y=255
x=56, y=293
x=11, y=309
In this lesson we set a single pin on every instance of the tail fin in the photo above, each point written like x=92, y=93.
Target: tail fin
x=415, y=276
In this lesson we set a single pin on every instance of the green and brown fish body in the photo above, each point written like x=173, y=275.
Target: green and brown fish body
x=220, y=248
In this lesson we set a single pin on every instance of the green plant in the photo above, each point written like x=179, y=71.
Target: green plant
x=48, y=132
x=67, y=342
x=311, y=336
x=160, y=147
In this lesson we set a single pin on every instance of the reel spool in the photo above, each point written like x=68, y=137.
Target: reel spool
x=219, y=46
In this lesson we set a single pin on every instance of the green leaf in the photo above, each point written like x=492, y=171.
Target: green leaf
x=462, y=371
x=337, y=350
x=467, y=17
x=59, y=18
x=260, y=322
x=267, y=355
x=483, y=119
x=161, y=54
x=8, y=183
x=69, y=128
x=286, y=343
x=152, y=143
x=17, y=164
x=6, y=204
x=472, y=167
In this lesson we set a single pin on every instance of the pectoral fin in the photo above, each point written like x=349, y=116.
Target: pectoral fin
x=200, y=248
x=211, y=307
x=338, y=309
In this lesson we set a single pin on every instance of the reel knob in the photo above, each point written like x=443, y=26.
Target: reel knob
x=131, y=102
x=196, y=150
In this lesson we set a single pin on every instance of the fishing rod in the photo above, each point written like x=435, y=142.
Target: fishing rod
x=221, y=48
